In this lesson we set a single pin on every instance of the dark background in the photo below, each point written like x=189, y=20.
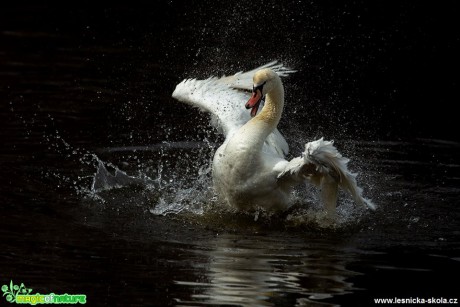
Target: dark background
x=374, y=70
x=78, y=78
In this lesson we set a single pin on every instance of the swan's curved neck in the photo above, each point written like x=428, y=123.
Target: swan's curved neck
x=253, y=134
x=273, y=108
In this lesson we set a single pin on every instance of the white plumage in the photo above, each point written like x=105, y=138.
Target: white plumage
x=250, y=169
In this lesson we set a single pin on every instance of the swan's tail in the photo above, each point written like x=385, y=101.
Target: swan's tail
x=328, y=169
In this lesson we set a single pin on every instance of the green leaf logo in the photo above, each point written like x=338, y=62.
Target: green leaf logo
x=13, y=290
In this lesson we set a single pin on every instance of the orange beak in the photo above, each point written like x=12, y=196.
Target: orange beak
x=254, y=102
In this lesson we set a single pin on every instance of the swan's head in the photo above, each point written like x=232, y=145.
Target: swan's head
x=264, y=81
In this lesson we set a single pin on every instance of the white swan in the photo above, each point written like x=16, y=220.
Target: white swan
x=250, y=169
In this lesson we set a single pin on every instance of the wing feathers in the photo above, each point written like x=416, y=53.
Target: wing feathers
x=243, y=80
x=322, y=162
x=224, y=98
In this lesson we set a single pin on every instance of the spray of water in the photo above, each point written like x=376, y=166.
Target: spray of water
x=175, y=179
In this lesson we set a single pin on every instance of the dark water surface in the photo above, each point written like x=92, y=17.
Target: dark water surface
x=106, y=186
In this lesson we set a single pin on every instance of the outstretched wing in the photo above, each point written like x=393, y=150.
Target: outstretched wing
x=323, y=165
x=224, y=98
x=225, y=104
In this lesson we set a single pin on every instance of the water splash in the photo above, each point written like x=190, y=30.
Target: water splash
x=174, y=179
x=104, y=179
x=169, y=185
x=175, y=192
x=194, y=199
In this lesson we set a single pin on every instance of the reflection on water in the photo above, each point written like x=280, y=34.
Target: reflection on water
x=265, y=271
